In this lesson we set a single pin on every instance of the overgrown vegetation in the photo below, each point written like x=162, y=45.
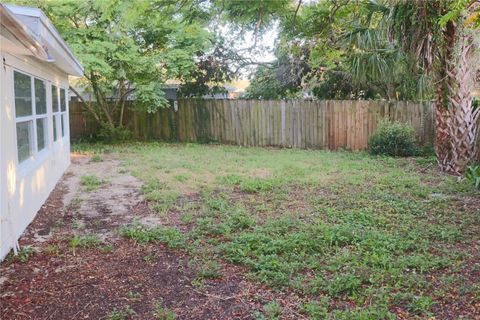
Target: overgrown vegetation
x=84, y=241
x=393, y=139
x=473, y=175
x=90, y=182
x=23, y=255
x=143, y=234
x=290, y=217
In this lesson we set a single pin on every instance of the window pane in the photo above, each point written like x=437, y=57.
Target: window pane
x=63, y=125
x=55, y=128
x=23, y=94
x=54, y=99
x=24, y=140
x=41, y=133
x=63, y=102
x=40, y=97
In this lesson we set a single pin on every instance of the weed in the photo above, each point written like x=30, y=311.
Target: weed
x=84, y=241
x=360, y=230
x=316, y=310
x=187, y=217
x=77, y=224
x=256, y=184
x=172, y=237
x=120, y=314
x=181, y=177
x=209, y=269
x=273, y=310
x=53, y=249
x=106, y=248
x=90, y=182
x=421, y=305
x=24, y=254
x=96, y=158
x=134, y=295
x=149, y=257
x=162, y=313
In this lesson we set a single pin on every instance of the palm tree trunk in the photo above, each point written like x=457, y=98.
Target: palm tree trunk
x=442, y=110
x=442, y=136
x=462, y=123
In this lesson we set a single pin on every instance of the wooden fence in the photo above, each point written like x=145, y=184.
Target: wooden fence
x=284, y=123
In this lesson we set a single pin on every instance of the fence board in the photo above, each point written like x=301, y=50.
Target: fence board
x=286, y=123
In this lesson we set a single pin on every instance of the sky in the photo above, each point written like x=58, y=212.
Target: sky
x=264, y=50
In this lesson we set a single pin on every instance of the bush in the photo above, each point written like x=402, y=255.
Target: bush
x=473, y=175
x=394, y=139
x=109, y=133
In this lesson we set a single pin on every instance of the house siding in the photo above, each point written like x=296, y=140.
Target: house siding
x=25, y=187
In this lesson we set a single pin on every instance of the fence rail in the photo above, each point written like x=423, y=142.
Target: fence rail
x=285, y=123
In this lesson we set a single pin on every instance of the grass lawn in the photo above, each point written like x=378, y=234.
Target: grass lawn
x=354, y=236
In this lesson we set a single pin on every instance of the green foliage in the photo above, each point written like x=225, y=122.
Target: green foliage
x=209, y=269
x=120, y=314
x=142, y=234
x=273, y=310
x=373, y=250
x=160, y=195
x=393, y=139
x=264, y=85
x=473, y=175
x=317, y=310
x=110, y=133
x=161, y=313
x=96, y=158
x=24, y=254
x=128, y=50
x=90, y=182
x=85, y=241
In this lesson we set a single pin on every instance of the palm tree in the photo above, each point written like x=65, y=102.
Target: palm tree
x=440, y=35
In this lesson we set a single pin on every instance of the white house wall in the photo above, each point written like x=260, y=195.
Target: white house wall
x=25, y=187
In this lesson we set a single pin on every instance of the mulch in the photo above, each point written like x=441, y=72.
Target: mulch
x=90, y=284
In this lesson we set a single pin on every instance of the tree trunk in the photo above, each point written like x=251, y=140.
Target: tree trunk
x=442, y=136
x=442, y=110
x=463, y=118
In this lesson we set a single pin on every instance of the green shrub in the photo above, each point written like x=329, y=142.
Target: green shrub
x=109, y=133
x=393, y=139
x=473, y=175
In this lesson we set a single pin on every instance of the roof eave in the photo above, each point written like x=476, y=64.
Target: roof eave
x=22, y=34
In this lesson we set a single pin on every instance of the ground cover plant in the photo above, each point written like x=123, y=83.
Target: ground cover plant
x=358, y=236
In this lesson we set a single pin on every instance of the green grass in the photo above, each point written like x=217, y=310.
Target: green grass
x=90, y=182
x=85, y=241
x=144, y=234
x=120, y=314
x=335, y=227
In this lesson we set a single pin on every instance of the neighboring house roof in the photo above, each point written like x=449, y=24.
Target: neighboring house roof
x=36, y=33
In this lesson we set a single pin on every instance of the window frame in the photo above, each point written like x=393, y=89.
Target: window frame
x=32, y=119
x=55, y=114
x=63, y=114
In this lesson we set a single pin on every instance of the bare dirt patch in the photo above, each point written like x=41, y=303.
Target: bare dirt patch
x=57, y=282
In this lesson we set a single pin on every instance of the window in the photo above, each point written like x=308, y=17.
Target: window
x=30, y=115
x=56, y=113
x=63, y=110
x=41, y=113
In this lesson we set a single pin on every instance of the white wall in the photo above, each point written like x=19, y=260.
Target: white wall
x=25, y=187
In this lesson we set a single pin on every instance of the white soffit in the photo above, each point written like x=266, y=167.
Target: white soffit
x=42, y=29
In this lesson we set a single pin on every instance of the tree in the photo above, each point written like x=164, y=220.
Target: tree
x=264, y=85
x=443, y=37
x=129, y=48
